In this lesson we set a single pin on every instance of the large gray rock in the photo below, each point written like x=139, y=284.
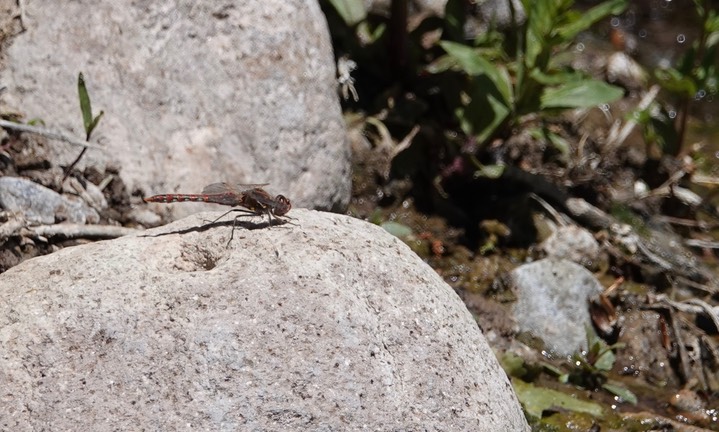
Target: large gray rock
x=193, y=93
x=328, y=324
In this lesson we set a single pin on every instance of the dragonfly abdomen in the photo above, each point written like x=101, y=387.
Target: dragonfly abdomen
x=170, y=198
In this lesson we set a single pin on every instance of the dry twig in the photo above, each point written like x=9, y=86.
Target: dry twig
x=74, y=231
x=47, y=134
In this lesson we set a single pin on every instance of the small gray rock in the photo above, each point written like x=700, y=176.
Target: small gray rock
x=573, y=243
x=552, y=302
x=41, y=205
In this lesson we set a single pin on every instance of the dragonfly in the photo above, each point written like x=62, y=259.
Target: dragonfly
x=253, y=199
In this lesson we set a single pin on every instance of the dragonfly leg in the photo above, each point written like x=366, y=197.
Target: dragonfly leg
x=249, y=213
x=283, y=218
x=234, y=222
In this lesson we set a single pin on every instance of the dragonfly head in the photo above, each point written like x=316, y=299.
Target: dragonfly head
x=282, y=205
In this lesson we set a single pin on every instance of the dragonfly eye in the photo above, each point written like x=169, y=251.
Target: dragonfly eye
x=285, y=205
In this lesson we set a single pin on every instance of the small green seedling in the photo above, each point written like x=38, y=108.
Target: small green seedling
x=89, y=122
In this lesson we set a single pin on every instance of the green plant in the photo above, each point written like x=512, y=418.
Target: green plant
x=351, y=11
x=536, y=400
x=89, y=121
x=590, y=368
x=516, y=78
x=427, y=74
x=694, y=77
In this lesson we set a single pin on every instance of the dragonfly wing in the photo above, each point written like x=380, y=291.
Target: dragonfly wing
x=247, y=186
x=217, y=188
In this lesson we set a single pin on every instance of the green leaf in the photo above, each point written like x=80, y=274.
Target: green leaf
x=605, y=362
x=580, y=94
x=489, y=171
x=713, y=38
x=559, y=143
x=621, y=391
x=351, y=11
x=442, y=64
x=485, y=112
x=500, y=113
x=533, y=49
x=676, y=82
x=94, y=123
x=368, y=34
x=541, y=16
x=513, y=364
x=537, y=400
x=712, y=23
x=396, y=229
x=467, y=57
x=376, y=217
x=588, y=18
x=554, y=370
x=474, y=64
x=85, y=106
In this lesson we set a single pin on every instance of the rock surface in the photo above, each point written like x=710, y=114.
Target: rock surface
x=645, y=354
x=573, y=243
x=193, y=93
x=552, y=302
x=328, y=324
x=40, y=205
